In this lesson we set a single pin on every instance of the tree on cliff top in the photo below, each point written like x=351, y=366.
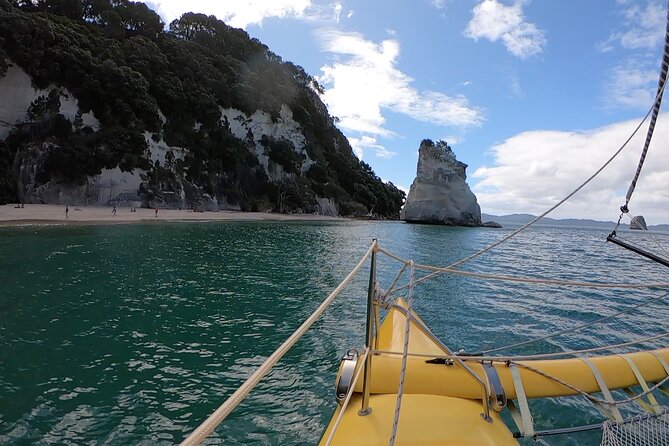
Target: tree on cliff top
x=116, y=58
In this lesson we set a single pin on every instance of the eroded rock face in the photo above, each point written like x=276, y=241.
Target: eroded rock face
x=327, y=206
x=17, y=93
x=638, y=222
x=110, y=186
x=440, y=193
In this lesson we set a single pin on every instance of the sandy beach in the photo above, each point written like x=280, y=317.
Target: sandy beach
x=55, y=214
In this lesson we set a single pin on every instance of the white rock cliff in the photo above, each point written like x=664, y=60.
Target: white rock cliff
x=112, y=186
x=440, y=193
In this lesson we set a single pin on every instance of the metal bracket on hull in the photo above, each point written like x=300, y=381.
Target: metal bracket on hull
x=498, y=396
x=345, y=376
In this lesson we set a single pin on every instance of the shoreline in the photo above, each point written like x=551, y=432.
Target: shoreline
x=51, y=214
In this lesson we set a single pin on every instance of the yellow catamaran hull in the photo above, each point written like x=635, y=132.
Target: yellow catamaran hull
x=441, y=404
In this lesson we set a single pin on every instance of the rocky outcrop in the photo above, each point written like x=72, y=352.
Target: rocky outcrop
x=113, y=186
x=110, y=186
x=440, y=193
x=17, y=93
x=638, y=223
x=327, y=206
x=260, y=124
x=211, y=119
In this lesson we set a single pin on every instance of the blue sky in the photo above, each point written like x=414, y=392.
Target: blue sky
x=532, y=95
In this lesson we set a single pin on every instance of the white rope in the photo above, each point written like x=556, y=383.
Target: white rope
x=361, y=361
x=528, y=357
x=605, y=402
x=405, y=355
x=653, y=406
x=558, y=204
x=577, y=328
x=507, y=278
x=657, y=242
x=490, y=344
x=652, y=236
x=555, y=206
x=391, y=289
x=514, y=361
x=523, y=406
x=208, y=426
x=610, y=410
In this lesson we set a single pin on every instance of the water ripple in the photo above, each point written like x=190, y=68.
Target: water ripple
x=134, y=334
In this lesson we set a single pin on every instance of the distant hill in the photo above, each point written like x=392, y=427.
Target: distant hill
x=521, y=219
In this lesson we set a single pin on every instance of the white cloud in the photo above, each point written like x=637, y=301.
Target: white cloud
x=645, y=27
x=514, y=83
x=439, y=4
x=604, y=47
x=337, y=8
x=453, y=139
x=369, y=142
x=535, y=169
x=633, y=82
x=403, y=188
x=364, y=80
x=494, y=21
x=631, y=85
x=236, y=13
x=350, y=14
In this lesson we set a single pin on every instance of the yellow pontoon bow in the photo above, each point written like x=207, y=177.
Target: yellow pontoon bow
x=406, y=387
x=442, y=401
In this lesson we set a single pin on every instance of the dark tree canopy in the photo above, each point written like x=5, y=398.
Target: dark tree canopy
x=120, y=62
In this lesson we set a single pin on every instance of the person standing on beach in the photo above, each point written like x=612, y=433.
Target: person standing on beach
x=156, y=212
x=67, y=211
x=114, y=211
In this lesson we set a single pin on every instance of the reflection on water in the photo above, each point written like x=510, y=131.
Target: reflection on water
x=134, y=334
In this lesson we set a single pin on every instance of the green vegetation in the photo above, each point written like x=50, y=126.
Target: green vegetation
x=116, y=58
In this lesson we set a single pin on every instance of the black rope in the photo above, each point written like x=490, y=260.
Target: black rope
x=651, y=128
x=624, y=209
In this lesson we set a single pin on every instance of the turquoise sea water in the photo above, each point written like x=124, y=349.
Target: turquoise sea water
x=134, y=334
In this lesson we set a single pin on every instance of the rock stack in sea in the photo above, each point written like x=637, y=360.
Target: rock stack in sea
x=638, y=222
x=440, y=193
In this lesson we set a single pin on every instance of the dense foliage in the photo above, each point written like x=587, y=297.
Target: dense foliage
x=119, y=61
